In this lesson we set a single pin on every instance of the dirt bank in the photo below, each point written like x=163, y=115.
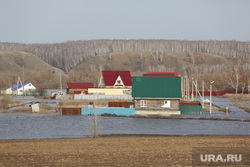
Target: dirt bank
x=117, y=150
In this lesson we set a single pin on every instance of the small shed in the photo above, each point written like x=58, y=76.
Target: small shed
x=190, y=107
x=7, y=91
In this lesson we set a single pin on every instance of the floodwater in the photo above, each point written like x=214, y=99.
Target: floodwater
x=29, y=126
x=31, y=100
x=235, y=112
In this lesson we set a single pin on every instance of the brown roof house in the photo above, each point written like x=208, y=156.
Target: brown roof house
x=78, y=88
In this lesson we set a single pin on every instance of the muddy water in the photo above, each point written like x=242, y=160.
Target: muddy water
x=28, y=126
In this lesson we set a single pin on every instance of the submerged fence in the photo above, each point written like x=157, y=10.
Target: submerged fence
x=97, y=97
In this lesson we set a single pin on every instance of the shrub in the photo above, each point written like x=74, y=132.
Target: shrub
x=5, y=102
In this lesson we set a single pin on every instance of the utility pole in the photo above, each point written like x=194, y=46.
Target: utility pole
x=184, y=87
x=196, y=90
x=192, y=89
x=188, y=89
x=203, y=93
x=61, y=83
x=23, y=83
x=211, y=96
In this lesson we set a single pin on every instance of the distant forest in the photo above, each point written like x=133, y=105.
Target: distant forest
x=194, y=59
x=71, y=53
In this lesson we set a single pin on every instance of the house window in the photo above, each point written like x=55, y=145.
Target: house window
x=118, y=81
x=166, y=103
x=143, y=103
x=29, y=84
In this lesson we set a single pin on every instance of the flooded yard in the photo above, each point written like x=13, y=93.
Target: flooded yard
x=29, y=126
x=235, y=112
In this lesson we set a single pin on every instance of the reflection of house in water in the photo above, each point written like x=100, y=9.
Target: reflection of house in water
x=113, y=83
x=157, y=95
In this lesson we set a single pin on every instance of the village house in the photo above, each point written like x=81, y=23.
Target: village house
x=156, y=95
x=113, y=83
x=7, y=91
x=79, y=88
x=26, y=87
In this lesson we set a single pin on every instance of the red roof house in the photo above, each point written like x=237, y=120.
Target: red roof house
x=116, y=79
x=78, y=88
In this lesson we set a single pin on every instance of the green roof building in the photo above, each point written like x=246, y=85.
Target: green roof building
x=156, y=87
x=156, y=95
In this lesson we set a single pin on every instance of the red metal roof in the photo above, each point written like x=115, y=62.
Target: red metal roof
x=111, y=76
x=80, y=85
x=164, y=73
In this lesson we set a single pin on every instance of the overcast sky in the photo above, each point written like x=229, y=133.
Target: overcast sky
x=53, y=21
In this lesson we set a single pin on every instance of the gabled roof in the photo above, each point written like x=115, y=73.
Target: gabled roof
x=156, y=87
x=20, y=85
x=111, y=76
x=80, y=85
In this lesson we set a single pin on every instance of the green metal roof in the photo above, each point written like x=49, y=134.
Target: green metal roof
x=156, y=87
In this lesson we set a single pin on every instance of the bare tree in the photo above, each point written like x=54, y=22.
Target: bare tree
x=235, y=75
x=110, y=58
x=161, y=57
x=140, y=56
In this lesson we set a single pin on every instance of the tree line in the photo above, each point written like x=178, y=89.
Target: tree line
x=71, y=53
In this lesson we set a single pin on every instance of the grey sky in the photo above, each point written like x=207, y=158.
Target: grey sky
x=51, y=21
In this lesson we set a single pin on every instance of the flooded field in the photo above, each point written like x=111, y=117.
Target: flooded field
x=235, y=112
x=29, y=126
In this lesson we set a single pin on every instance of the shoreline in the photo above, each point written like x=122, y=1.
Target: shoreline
x=136, y=116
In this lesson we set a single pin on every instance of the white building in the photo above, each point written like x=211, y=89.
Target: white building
x=18, y=90
x=7, y=91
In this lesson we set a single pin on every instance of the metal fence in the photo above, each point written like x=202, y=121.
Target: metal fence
x=97, y=97
x=116, y=111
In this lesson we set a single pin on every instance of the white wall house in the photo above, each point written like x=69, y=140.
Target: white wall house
x=7, y=91
x=18, y=90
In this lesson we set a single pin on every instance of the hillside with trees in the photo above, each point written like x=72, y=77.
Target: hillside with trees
x=14, y=64
x=227, y=62
x=69, y=54
x=152, y=61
